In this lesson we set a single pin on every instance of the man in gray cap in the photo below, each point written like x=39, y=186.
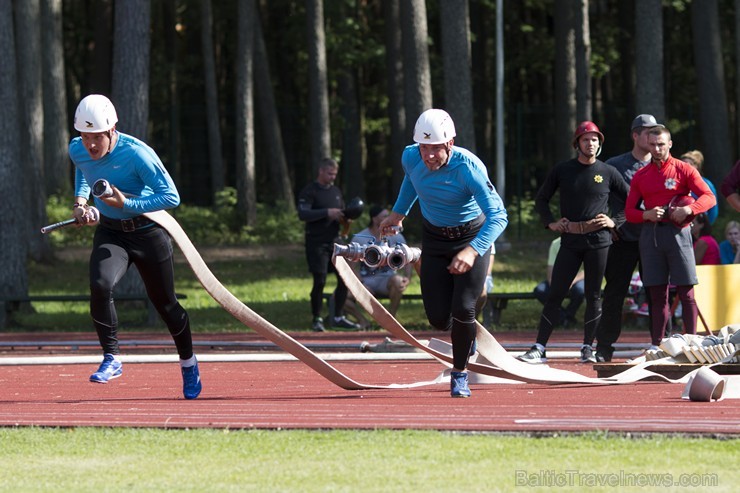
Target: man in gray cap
x=624, y=253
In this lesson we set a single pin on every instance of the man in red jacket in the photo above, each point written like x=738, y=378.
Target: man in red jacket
x=666, y=249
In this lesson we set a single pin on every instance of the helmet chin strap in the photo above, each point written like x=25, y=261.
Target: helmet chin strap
x=448, y=148
x=111, y=133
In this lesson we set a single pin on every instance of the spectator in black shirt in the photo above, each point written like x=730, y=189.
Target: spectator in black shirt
x=585, y=184
x=320, y=206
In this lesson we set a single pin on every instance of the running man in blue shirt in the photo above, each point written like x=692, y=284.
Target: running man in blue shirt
x=462, y=217
x=138, y=183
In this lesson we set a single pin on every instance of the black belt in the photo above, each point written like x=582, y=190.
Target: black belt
x=454, y=232
x=125, y=225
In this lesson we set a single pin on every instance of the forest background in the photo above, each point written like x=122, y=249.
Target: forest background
x=241, y=98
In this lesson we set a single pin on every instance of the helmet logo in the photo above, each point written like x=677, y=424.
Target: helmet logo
x=88, y=124
x=427, y=136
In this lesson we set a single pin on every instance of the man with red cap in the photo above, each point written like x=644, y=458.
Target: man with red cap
x=585, y=184
x=666, y=250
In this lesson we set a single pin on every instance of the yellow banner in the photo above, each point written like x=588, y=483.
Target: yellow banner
x=718, y=295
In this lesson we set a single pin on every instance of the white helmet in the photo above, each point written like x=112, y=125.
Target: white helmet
x=94, y=114
x=434, y=127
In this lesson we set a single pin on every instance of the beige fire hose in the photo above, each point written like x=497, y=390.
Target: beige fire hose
x=251, y=319
x=493, y=360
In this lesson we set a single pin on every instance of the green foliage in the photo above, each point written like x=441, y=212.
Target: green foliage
x=278, y=224
x=218, y=225
x=59, y=208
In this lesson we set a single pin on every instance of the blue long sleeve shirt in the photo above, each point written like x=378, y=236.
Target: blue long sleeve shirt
x=131, y=166
x=452, y=195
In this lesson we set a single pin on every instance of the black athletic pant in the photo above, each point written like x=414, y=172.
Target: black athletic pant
x=623, y=257
x=318, y=256
x=317, y=294
x=150, y=249
x=567, y=264
x=450, y=299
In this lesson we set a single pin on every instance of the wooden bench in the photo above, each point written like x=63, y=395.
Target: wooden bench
x=8, y=305
x=497, y=302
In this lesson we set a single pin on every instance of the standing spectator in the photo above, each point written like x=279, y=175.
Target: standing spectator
x=576, y=292
x=624, y=253
x=137, y=183
x=585, y=184
x=382, y=281
x=666, y=248
x=706, y=249
x=730, y=188
x=462, y=217
x=320, y=205
x=696, y=159
x=729, y=249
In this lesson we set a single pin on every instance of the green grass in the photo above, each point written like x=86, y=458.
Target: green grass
x=277, y=289
x=99, y=460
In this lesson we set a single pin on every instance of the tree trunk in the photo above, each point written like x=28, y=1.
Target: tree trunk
x=713, y=119
x=394, y=77
x=57, y=166
x=280, y=177
x=584, y=110
x=215, y=158
x=352, y=151
x=483, y=58
x=649, y=97
x=318, y=96
x=169, y=23
x=565, y=80
x=246, y=201
x=457, y=64
x=13, y=275
x=28, y=43
x=416, y=71
x=101, y=70
x=131, y=48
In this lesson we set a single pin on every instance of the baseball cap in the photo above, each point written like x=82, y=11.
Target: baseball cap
x=645, y=121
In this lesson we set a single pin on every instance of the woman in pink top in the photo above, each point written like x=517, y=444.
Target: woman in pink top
x=706, y=248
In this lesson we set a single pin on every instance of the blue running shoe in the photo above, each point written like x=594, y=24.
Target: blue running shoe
x=459, y=384
x=191, y=385
x=109, y=369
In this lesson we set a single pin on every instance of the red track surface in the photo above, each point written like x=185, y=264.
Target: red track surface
x=290, y=395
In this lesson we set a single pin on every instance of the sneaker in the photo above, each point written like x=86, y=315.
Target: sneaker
x=534, y=356
x=343, y=323
x=318, y=324
x=109, y=369
x=587, y=354
x=643, y=310
x=603, y=355
x=191, y=385
x=459, y=384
